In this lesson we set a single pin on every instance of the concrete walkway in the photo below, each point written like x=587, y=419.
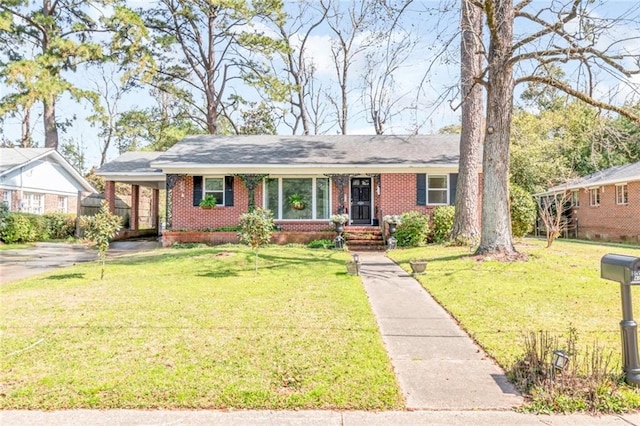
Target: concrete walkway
x=438, y=366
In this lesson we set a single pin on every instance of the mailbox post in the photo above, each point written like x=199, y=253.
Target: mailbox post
x=625, y=270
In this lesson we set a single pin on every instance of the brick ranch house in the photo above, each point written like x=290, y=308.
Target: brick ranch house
x=40, y=180
x=605, y=205
x=366, y=177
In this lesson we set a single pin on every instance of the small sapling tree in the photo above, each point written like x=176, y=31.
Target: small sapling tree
x=551, y=209
x=100, y=229
x=256, y=229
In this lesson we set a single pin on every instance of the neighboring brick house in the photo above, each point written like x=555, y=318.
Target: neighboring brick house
x=606, y=205
x=40, y=180
x=367, y=177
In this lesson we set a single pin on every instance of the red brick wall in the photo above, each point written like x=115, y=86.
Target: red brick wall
x=610, y=221
x=397, y=196
x=187, y=216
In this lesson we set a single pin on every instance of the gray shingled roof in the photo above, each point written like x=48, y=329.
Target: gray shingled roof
x=312, y=150
x=132, y=162
x=10, y=158
x=617, y=174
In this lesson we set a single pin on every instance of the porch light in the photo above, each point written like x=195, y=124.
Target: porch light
x=560, y=360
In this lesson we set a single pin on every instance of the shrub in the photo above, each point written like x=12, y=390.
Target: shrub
x=589, y=383
x=60, y=225
x=39, y=227
x=256, y=230
x=442, y=223
x=17, y=229
x=4, y=213
x=413, y=230
x=320, y=244
x=523, y=211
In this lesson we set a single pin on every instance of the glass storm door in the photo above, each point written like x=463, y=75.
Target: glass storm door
x=361, y=201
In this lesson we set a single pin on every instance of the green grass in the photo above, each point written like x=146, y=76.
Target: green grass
x=498, y=303
x=4, y=246
x=194, y=328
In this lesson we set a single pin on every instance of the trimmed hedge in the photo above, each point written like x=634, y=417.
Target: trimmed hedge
x=28, y=227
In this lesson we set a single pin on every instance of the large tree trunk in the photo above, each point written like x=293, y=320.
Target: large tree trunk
x=50, y=128
x=496, y=220
x=465, y=224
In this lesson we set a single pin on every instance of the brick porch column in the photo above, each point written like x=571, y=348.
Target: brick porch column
x=135, y=208
x=110, y=195
x=155, y=209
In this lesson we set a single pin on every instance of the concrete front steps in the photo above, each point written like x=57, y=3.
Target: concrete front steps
x=364, y=238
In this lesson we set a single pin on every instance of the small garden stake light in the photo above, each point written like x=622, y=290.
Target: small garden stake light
x=560, y=360
x=353, y=267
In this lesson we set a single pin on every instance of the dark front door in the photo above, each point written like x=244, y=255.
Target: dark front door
x=361, y=201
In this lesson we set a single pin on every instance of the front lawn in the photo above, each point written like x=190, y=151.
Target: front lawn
x=499, y=303
x=194, y=328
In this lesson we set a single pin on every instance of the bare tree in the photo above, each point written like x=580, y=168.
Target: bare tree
x=354, y=32
x=299, y=66
x=110, y=90
x=380, y=95
x=551, y=210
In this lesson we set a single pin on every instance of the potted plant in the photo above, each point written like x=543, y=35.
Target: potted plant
x=339, y=220
x=296, y=201
x=418, y=266
x=208, y=202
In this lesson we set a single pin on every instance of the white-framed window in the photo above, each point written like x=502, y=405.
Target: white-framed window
x=594, y=197
x=32, y=203
x=63, y=204
x=575, y=198
x=437, y=189
x=622, y=194
x=298, y=198
x=7, y=196
x=214, y=186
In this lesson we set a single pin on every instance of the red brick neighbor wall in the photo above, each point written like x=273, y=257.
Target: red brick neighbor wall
x=610, y=221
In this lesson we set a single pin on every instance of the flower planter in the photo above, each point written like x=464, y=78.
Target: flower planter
x=418, y=266
x=353, y=268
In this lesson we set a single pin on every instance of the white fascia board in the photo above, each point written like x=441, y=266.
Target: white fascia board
x=125, y=177
x=228, y=169
x=72, y=171
x=587, y=185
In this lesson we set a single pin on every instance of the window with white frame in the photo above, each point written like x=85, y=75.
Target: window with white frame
x=594, y=197
x=575, y=199
x=298, y=198
x=63, y=204
x=622, y=194
x=437, y=189
x=32, y=203
x=214, y=187
x=6, y=198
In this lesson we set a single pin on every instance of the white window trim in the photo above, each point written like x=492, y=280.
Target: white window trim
x=619, y=188
x=27, y=206
x=7, y=198
x=591, y=200
x=65, y=204
x=314, y=188
x=575, y=198
x=224, y=188
x=447, y=189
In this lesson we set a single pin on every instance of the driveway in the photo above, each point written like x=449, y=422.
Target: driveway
x=43, y=257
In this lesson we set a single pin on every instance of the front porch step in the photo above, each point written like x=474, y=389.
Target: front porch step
x=364, y=238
